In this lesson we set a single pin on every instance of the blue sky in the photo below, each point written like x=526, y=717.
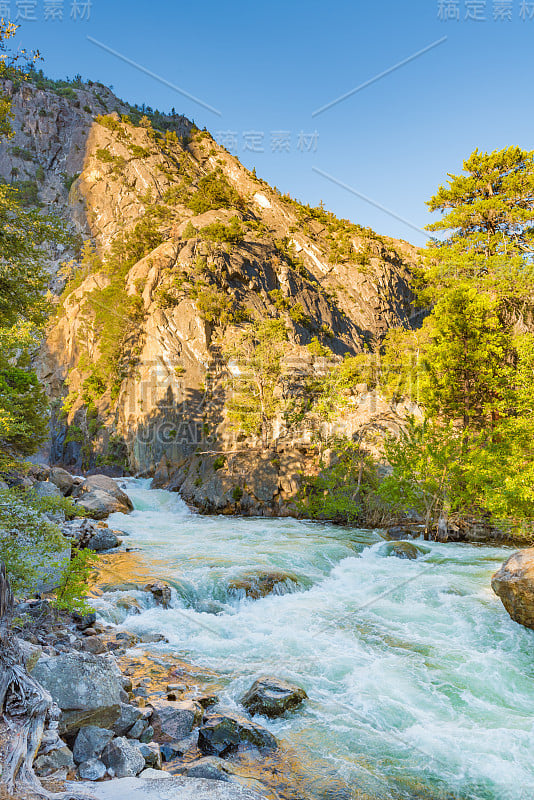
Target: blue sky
x=268, y=66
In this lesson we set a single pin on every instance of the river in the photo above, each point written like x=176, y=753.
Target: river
x=419, y=683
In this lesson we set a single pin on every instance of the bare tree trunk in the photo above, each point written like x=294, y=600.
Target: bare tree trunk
x=25, y=707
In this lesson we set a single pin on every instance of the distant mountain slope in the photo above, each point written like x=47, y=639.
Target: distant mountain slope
x=184, y=247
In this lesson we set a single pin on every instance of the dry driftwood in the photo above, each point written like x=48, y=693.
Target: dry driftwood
x=26, y=707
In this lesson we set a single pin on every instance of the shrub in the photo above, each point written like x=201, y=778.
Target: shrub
x=104, y=156
x=213, y=192
x=30, y=545
x=219, y=232
x=108, y=122
x=190, y=231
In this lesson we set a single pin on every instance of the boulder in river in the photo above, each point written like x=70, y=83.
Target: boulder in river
x=223, y=733
x=272, y=697
x=256, y=584
x=87, y=688
x=103, y=539
x=514, y=584
x=174, y=720
x=160, y=592
x=100, y=496
x=398, y=532
x=405, y=550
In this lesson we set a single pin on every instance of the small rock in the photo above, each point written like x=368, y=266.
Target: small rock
x=128, y=716
x=209, y=767
x=94, y=644
x=272, y=697
x=152, y=638
x=90, y=743
x=168, y=752
x=92, y=770
x=103, y=540
x=207, y=700
x=398, y=532
x=151, y=752
x=147, y=735
x=137, y=729
x=56, y=759
x=154, y=774
x=84, y=621
x=123, y=758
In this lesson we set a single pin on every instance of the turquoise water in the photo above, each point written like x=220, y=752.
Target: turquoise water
x=419, y=683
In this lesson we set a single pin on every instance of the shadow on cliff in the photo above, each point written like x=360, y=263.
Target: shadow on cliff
x=175, y=429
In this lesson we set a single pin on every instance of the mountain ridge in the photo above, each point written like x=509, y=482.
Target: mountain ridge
x=184, y=249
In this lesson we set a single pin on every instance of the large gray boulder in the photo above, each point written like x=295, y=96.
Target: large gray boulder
x=272, y=697
x=224, y=733
x=514, y=584
x=122, y=758
x=62, y=479
x=87, y=688
x=100, y=496
x=90, y=743
x=175, y=788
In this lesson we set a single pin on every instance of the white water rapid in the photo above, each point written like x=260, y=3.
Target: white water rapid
x=419, y=683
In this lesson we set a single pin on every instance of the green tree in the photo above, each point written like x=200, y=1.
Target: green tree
x=255, y=360
x=488, y=212
x=427, y=461
x=464, y=366
x=24, y=234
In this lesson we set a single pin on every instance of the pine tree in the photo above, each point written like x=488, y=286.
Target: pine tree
x=488, y=212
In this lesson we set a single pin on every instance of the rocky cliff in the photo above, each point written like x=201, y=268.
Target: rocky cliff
x=177, y=250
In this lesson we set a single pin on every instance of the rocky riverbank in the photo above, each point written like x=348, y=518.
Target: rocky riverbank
x=128, y=714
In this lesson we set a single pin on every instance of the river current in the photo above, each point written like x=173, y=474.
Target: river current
x=419, y=683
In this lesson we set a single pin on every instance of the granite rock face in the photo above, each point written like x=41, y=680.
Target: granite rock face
x=337, y=287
